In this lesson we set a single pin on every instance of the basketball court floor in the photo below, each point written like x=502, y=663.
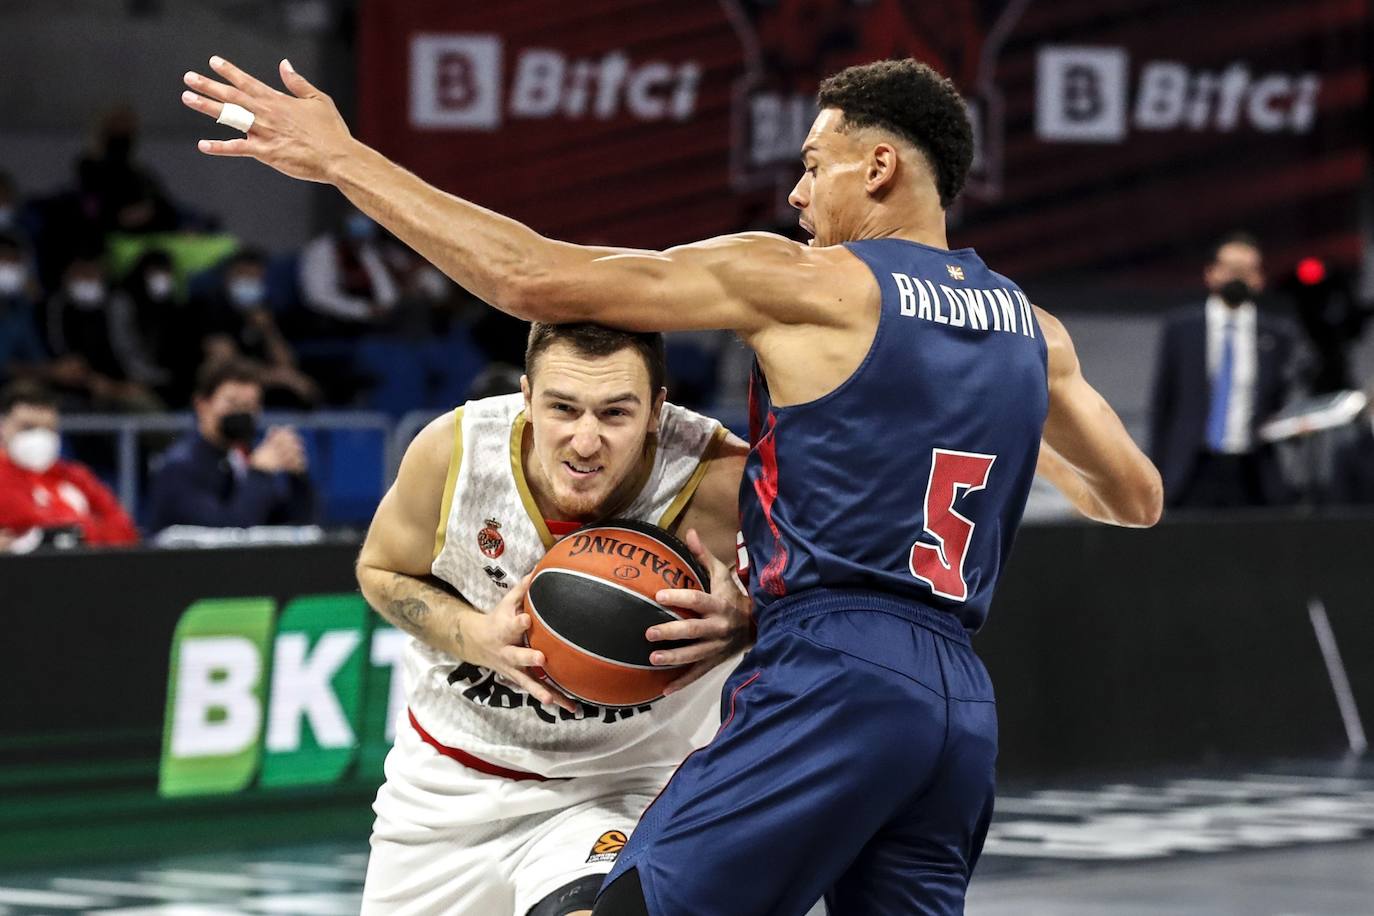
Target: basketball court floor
x=1285, y=840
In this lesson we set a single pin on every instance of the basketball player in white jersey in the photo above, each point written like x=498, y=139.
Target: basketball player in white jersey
x=503, y=797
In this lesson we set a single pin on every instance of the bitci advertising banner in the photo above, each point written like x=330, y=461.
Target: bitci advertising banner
x=1116, y=138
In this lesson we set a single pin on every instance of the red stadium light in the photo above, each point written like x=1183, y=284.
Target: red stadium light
x=1311, y=271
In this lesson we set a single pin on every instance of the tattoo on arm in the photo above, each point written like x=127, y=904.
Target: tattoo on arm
x=410, y=603
x=408, y=613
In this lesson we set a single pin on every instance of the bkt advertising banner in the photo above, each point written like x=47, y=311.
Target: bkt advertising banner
x=1116, y=138
x=307, y=697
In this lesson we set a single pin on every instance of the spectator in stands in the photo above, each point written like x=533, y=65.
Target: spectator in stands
x=1223, y=368
x=237, y=324
x=121, y=194
x=21, y=349
x=345, y=280
x=216, y=477
x=143, y=313
x=88, y=332
x=41, y=494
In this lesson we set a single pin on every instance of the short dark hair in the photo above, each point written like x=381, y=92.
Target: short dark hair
x=913, y=101
x=27, y=392
x=220, y=372
x=596, y=340
x=1235, y=237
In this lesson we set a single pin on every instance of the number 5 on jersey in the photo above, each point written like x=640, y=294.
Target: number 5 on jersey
x=941, y=565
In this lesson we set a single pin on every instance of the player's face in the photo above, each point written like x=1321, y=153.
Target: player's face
x=590, y=419
x=830, y=193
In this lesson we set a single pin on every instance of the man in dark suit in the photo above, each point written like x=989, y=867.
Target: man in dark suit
x=1222, y=370
x=216, y=476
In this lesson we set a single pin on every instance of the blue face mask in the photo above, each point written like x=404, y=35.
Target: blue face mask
x=360, y=228
x=247, y=293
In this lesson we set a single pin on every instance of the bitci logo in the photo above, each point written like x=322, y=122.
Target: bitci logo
x=455, y=81
x=1085, y=95
x=1081, y=94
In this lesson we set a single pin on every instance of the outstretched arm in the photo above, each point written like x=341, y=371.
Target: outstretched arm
x=1086, y=451
x=742, y=282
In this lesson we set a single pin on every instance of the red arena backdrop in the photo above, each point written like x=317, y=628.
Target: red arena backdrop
x=1116, y=138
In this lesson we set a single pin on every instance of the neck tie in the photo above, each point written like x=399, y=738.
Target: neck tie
x=1221, y=389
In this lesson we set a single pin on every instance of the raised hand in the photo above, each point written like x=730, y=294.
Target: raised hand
x=300, y=134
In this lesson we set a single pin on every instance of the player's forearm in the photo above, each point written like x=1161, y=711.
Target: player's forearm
x=1127, y=496
x=492, y=256
x=420, y=608
x=1075, y=489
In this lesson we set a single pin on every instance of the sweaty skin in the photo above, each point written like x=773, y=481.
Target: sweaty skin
x=808, y=311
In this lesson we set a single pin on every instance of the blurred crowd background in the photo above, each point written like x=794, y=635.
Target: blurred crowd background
x=190, y=344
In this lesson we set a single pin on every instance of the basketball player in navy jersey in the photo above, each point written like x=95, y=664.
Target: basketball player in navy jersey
x=903, y=396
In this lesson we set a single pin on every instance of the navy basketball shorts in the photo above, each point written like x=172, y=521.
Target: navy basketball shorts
x=855, y=760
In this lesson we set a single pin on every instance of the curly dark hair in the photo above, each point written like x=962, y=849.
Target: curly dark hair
x=913, y=101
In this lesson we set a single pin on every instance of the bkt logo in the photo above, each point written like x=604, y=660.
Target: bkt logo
x=1081, y=95
x=456, y=83
x=298, y=700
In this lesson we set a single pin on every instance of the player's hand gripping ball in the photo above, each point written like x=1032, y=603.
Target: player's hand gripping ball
x=592, y=598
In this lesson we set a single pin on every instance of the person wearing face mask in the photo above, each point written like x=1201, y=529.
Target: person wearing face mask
x=345, y=279
x=83, y=327
x=238, y=324
x=40, y=491
x=1222, y=370
x=221, y=475
x=147, y=315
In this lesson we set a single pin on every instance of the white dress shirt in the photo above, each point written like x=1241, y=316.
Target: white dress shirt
x=1240, y=406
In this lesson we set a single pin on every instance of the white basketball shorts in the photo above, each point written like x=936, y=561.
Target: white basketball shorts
x=449, y=839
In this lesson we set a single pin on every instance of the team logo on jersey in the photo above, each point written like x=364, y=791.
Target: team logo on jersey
x=955, y=271
x=607, y=847
x=489, y=539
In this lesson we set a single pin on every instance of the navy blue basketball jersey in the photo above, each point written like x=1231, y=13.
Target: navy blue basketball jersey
x=911, y=476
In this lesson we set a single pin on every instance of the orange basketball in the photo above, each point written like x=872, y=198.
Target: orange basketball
x=592, y=598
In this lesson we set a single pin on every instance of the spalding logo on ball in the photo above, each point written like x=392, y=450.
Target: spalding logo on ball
x=592, y=598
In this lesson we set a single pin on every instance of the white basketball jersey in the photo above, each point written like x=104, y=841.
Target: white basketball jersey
x=491, y=535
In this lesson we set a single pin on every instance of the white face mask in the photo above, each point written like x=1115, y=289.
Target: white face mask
x=11, y=278
x=86, y=292
x=159, y=286
x=34, y=449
